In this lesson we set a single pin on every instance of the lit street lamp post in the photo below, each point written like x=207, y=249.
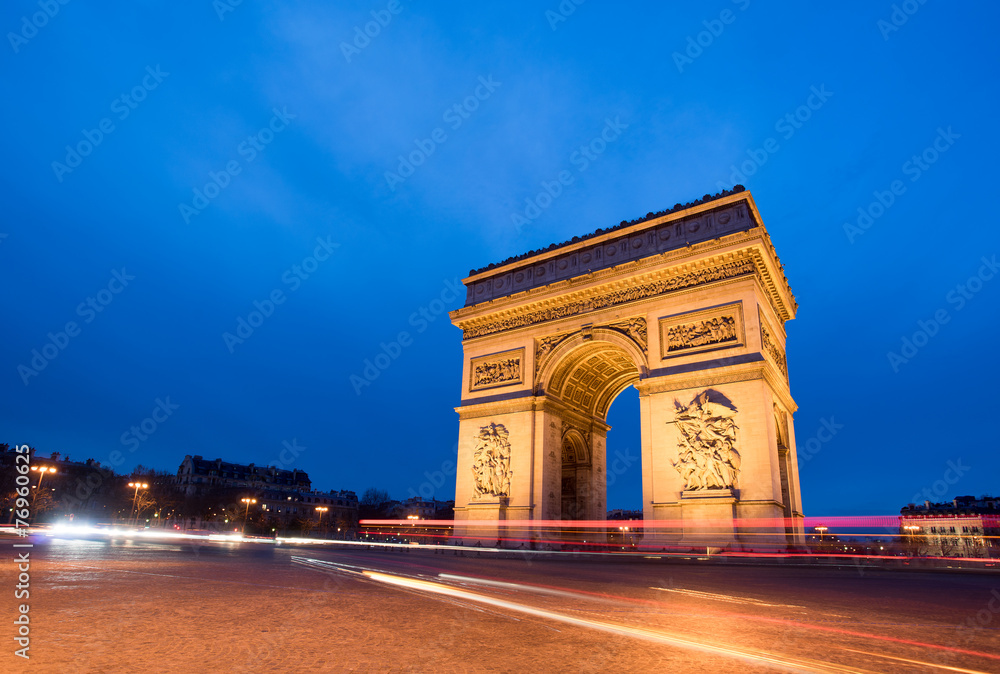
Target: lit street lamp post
x=321, y=510
x=135, y=498
x=42, y=470
x=411, y=518
x=246, y=514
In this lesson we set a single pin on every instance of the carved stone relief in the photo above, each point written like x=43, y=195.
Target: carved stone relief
x=544, y=347
x=491, y=462
x=706, y=451
x=771, y=347
x=634, y=328
x=498, y=372
x=705, y=330
x=701, y=333
x=500, y=369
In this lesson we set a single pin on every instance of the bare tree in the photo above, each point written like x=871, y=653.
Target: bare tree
x=372, y=502
x=144, y=502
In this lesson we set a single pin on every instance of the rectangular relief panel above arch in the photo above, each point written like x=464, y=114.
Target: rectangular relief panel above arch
x=719, y=327
x=505, y=368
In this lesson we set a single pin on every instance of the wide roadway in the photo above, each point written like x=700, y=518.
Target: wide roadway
x=103, y=606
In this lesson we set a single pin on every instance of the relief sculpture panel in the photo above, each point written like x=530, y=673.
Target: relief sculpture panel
x=491, y=462
x=771, y=347
x=717, y=328
x=498, y=369
x=706, y=450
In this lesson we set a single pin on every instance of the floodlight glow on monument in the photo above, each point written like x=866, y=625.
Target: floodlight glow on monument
x=689, y=307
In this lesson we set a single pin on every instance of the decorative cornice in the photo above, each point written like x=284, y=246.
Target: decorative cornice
x=475, y=410
x=696, y=229
x=699, y=379
x=540, y=403
x=740, y=263
x=705, y=379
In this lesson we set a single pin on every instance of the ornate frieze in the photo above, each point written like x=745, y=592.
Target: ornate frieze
x=499, y=369
x=491, y=471
x=705, y=330
x=612, y=298
x=706, y=450
x=771, y=347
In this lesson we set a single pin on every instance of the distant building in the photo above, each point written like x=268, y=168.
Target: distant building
x=425, y=509
x=196, y=473
x=341, y=507
x=619, y=514
x=74, y=486
x=963, y=527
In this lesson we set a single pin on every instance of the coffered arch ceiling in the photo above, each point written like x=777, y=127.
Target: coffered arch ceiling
x=590, y=376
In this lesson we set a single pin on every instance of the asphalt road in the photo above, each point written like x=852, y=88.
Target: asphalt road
x=99, y=606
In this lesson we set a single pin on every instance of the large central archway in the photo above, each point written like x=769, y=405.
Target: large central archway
x=687, y=306
x=585, y=373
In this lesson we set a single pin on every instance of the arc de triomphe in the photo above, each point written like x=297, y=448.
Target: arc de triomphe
x=689, y=306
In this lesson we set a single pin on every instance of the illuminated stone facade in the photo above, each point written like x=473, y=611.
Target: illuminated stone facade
x=688, y=307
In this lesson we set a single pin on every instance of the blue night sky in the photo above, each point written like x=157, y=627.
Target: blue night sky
x=288, y=136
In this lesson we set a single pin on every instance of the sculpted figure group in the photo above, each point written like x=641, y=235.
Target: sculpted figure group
x=712, y=331
x=497, y=372
x=491, y=462
x=707, y=456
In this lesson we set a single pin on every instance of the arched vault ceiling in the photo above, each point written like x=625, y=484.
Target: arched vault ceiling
x=589, y=378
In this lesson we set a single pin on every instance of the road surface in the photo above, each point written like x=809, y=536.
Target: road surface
x=142, y=606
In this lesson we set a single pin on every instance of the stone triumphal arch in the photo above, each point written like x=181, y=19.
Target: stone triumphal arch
x=689, y=307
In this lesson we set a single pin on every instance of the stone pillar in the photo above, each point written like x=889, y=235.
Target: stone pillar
x=534, y=433
x=704, y=513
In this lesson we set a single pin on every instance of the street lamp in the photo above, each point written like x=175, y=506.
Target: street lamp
x=412, y=517
x=822, y=530
x=321, y=510
x=42, y=470
x=135, y=497
x=246, y=514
